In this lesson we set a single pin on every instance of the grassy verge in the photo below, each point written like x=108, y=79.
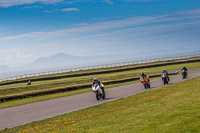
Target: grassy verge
x=174, y=108
x=9, y=90
x=22, y=88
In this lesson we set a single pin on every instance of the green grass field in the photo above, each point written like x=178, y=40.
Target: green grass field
x=22, y=88
x=171, y=109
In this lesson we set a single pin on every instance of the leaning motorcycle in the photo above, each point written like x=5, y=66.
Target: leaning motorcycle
x=165, y=78
x=98, y=91
x=145, y=82
x=184, y=74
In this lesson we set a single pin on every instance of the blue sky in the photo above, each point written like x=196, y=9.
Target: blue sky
x=30, y=29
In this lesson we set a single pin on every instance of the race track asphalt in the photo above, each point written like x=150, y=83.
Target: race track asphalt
x=19, y=115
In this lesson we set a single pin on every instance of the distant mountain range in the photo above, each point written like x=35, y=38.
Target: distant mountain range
x=61, y=61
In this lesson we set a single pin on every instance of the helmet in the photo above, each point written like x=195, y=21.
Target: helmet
x=95, y=79
x=142, y=74
x=164, y=70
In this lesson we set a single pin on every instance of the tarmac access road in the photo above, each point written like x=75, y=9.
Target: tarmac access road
x=23, y=114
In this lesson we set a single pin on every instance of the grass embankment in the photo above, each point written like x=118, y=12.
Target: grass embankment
x=173, y=108
x=22, y=88
x=92, y=71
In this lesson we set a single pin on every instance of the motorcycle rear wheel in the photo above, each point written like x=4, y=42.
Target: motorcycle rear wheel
x=145, y=86
x=149, y=86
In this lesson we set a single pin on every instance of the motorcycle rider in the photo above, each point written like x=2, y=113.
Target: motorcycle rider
x=144, y=76
x=96, y=81
x=166, y=72
x=184, y=68
x=29, y=82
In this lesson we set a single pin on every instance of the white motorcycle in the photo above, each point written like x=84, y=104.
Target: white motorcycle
x=98, y=91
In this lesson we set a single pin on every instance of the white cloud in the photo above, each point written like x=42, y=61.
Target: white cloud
x=110, y=25
x=8, y=58
x=21, y=56
x=51, y=11
x=94, y=27
x=8, y=3
x=187, y=13
x=48, y=11
x=70, y=9
x=109, y=1
x=30, y=7
x=28, y=35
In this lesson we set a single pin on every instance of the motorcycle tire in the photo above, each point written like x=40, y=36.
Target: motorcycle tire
x=104, y=96
x=184, y=76
x=145, y=86
x=149, y=86
x=97, y=96
x=164, y=82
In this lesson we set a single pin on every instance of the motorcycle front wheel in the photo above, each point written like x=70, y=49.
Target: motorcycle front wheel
x=149, y=86
x=104, y=96
x=97, y=96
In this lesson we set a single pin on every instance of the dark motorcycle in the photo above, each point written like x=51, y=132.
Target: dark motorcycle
x=184, y=74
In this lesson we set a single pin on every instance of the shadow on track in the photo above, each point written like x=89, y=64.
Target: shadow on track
x=110, y=98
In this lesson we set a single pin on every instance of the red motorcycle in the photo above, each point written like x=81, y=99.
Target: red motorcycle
x=145, y=82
